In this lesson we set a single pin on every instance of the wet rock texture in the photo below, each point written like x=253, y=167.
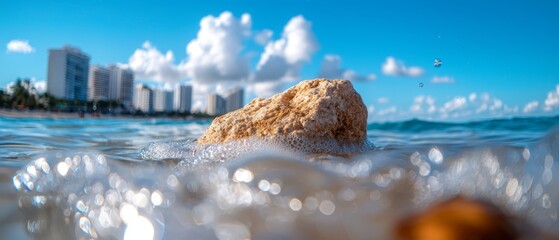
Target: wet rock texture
x=318, y=109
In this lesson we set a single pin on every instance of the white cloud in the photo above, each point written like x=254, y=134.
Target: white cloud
x=215, y=58
x=442, y=79
x=371, y=109
x=40, y=86
x=265, y=89
x=198, y=106
x=420, y=102
x=472, y=97
x=282, y=59
x=552, y=100
x=531, y=106
x=148, y=63
x=387, y=111
x=394, y=67
x=331, y=69
x=214, y=55
x=19, y=46
x=383, y=100
x=455, y=104
x=263, y=37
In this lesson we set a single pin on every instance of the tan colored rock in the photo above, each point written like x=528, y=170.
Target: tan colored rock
x=318, y=109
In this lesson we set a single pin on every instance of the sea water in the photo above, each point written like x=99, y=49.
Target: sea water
x=148, y=179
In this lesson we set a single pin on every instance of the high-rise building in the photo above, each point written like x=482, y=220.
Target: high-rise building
x=182, y=98
x=111, y=83
x=68, y=70
x=121, y=85
x=216, y=104
x=143, y=98
x=98, y=84
x=162, y=101
x=234, y=100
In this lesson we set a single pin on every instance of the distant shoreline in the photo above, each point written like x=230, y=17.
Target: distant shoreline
x=70, y=115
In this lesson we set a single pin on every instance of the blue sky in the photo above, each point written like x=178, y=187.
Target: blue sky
x=500, y=58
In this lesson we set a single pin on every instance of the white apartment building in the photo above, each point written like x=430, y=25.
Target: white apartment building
x=216, y=105
x=162, y=101
x=234, y=99
x=143, y=98
x=182, y=98
x=98, y=83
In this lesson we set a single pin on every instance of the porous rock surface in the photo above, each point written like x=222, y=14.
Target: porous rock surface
x=318, y=109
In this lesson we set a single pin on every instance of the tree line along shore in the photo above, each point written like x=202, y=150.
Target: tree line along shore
x=22, y=100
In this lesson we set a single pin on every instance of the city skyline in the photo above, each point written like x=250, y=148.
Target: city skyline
x=496, y=62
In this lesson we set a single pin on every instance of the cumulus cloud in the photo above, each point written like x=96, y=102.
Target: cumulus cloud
x=265, y=89
x=394, y=67
x=148, y=63
x=442, y=79
x=531, y=106
x=282, y=59
x=453, y=105
x=371, y=109
x=387, y=111
x=423, y=104
x=475, y=105
x=19, y=46
x=216, y=58
x=263, y=37
x=331, y=69
x=552, y=100
x=214, y=55
x=383, y=100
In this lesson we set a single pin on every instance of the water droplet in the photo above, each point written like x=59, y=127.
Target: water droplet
x=128, y=212
x=526, y=154
x=295, y=204
x=32, y=170
x=512, y=186
x=80, y=206
x=139, y=228
x=415, y=158
x=172, y=181
x=156, y=198
x=420, y=84
x=424, y=169
x=85, y=226
x=538, y=190
x=437, y=62
x=243, y=175
x=39, y=201
x=435, y=156
x=264, y=185
x=546, y=202
x=327, y=207
x=275, y=188
x=17, y=182
x=62, y=168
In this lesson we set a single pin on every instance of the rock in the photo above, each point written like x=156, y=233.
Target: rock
x=458, y=219
x=318, y=109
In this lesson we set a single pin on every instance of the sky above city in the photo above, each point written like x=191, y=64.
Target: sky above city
x=499, y=58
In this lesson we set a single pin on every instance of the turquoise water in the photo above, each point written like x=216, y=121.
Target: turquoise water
x=147, y=179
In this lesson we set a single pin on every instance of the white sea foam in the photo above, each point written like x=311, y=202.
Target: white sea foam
x=265, y=189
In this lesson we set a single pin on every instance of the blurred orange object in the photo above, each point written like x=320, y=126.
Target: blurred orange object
x=458, y=219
